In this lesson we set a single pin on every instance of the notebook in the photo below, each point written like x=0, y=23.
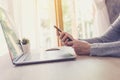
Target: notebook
x=18, y=57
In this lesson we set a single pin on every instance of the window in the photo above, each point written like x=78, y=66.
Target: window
x=78, y=16
x=35, y=19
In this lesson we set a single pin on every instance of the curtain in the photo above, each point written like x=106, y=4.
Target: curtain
x=34, y=19
x=85, y=18
x=3, y=46
x=102, y=21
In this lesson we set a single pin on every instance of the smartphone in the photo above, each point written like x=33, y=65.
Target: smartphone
x=61, y=31
x=58, y=29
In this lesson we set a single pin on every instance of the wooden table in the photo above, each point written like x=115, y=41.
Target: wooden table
x=83, y=68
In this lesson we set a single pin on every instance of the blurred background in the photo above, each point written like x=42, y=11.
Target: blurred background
x=34, y=19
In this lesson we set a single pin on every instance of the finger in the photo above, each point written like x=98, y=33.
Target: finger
x=66, y=41
x=65, y=38
x=62, y=34
x=63, y=43
x=69, y=43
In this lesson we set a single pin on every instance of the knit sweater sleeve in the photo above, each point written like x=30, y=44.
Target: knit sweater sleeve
x=105, y=49
x=109, y=43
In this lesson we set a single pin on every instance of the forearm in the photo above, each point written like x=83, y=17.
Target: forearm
x=105, y=49
x=94, y=40
x=111, y=35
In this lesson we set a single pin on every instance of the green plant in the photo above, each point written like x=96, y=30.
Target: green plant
x=25, y=41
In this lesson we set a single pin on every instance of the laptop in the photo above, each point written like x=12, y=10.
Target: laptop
x=18, y=57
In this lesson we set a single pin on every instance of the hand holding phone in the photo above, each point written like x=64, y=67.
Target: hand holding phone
x=59, y=30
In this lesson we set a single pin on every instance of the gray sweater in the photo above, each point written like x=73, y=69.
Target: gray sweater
x=109, y=43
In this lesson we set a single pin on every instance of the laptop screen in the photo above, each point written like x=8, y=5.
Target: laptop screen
x=10, y=36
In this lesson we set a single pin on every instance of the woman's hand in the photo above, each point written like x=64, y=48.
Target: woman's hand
x=80, y=47
x=65, y=37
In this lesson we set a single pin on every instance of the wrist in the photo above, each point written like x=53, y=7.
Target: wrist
x=86, y=48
